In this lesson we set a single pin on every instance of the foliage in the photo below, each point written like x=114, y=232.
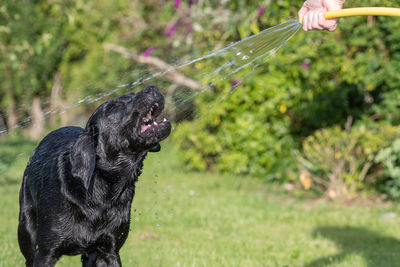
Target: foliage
x=390, y=159
x=32, y=40
x=248, y=132
x=339, y=162
x=317, y=81
x=39, y=39
x=388, y=108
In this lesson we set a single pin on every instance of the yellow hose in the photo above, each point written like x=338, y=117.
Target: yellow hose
x=361, y=11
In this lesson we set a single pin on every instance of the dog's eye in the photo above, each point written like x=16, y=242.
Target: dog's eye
x=114, y=108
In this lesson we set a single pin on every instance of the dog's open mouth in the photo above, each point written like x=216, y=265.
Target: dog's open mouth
x=149, y=123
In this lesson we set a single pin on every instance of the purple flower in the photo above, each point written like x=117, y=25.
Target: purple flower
x=235, y=83
x=305, y=64
x=148, y=51
x=172, y=29
x=177, y=4
x=261, y=11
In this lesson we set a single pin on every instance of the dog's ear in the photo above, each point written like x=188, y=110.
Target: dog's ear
x=83, y=159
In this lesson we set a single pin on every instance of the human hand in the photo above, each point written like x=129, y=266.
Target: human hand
x=312, y=13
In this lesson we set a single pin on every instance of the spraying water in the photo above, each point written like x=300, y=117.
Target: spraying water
x=261, y=45
x=235, y=56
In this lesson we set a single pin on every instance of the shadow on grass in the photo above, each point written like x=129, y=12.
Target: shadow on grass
x=376, y=249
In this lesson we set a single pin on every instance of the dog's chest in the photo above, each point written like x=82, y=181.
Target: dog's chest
x=110, y=214
x=103, y=223
x=105, y=219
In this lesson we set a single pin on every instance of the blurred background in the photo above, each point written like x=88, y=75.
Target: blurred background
x=306, y=139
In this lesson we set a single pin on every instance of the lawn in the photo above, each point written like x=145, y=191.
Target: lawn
x=181, y=218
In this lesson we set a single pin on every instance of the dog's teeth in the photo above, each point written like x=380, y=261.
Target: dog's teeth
x=155, y=123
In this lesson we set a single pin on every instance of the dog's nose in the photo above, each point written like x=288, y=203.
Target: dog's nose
x=152, y=90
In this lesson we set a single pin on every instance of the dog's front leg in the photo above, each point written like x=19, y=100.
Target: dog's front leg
x=47, y=259
x=97, y=259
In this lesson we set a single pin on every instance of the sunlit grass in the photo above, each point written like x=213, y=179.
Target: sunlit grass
x=204, y=219
x=14, y=154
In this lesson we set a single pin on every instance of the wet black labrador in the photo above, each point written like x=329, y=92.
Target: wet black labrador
x=79, y=183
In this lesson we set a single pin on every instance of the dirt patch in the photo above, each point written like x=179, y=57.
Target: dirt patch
x=146, y=236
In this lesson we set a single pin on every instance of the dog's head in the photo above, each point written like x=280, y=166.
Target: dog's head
x=124, y=125
x=128, y=123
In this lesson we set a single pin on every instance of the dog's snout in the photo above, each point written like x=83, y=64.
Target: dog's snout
x=152, y=90
x=151, y=95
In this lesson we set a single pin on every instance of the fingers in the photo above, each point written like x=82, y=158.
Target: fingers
x=315, y=20
x=302, y=11
x=328, y=24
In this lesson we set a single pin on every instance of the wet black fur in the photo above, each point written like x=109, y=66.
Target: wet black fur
x=79, y=183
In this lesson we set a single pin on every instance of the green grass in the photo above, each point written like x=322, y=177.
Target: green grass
x=14, y=154
x=203, y=219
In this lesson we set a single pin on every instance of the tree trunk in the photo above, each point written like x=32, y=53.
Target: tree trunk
x=11, y=112
x=3, y=123
x=56, y=102
x=37, y=114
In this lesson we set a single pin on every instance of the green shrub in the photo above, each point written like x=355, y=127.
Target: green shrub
x=247, y=133
x=338, y=163
x=388, y=107
x=316, y=81
x=390, y=158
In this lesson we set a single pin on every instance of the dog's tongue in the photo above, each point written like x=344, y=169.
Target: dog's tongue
x=144, y=128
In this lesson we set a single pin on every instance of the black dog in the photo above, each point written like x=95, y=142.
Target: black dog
x=79, y=184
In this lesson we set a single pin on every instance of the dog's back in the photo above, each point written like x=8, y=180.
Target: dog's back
x=39, y=173
x=40, y=169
